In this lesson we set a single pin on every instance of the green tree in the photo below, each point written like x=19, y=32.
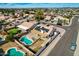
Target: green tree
x=64, y=21
x=57, y=10
x=9, y=37
x=39, y=15
x=59, y=22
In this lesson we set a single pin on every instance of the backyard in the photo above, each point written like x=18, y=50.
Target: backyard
x=12, y=33
x=37, y=45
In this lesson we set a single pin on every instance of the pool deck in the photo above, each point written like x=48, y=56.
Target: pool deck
x=29, y=53
x=8, y=45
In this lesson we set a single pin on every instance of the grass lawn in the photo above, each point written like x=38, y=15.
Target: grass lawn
x=11, y=33
x=14, y=31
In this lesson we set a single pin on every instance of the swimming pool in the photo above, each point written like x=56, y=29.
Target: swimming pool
x=26, y=40
x=14, y=52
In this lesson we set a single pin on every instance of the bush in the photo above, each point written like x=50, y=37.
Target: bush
x=9, y=37
x=59, y=22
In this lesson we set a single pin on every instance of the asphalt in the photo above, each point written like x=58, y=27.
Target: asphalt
x=63, y=46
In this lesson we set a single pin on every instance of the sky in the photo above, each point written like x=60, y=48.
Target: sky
x=38, y=5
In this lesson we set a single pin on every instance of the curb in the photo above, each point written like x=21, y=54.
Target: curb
x=70, y=22
x=52, y=44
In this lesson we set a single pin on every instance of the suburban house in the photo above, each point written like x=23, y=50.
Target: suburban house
x=63, y=19
x=26, y=25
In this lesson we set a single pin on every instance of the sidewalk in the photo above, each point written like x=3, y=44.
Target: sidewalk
x=53, y=43
x=76, y=53
x=70, y=22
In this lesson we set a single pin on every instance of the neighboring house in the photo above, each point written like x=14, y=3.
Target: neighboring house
x=10, y=20
x=44, y=29
x=26, y=25
x=26, y=15
x=2, y=17
x=30, y=16
x=31, y=12
x=64, y=20
x=47, y=17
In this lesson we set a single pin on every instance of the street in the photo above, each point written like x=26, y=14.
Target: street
x=63, y=46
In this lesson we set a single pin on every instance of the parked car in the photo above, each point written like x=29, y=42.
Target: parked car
x=73, y=46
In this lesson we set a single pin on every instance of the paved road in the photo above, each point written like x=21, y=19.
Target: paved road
x=62, y=48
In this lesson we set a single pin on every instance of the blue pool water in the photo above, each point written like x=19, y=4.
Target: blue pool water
x=26, y=40
x=14, y=52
